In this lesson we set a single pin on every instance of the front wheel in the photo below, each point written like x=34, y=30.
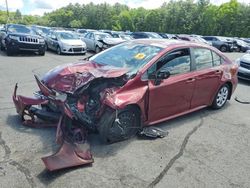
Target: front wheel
x=1, y=47
x=9, y=51
x=58, y=50
x=221, y=97
x=119, y=125
x=41, y=52
x=97, y=49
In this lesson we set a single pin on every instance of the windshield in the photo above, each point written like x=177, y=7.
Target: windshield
x=129, y=55
x=100, y=36
x=154, y=35
x=19, y=29
x=67, y=36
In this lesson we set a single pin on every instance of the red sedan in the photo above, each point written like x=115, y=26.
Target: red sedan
x=140, y=83
x=131, y=85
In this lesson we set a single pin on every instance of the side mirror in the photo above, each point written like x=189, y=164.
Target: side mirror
x=162, y=75
x=159, y=76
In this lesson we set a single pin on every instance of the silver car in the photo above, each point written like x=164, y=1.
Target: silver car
x=65, y=42
x=97, y=41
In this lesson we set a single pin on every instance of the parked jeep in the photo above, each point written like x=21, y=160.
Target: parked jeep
x=15, y=38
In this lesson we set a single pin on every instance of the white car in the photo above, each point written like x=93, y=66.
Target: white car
x=65, y=42
x=244, y=67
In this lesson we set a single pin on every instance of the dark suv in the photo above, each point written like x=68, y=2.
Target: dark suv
x=222, y=43
x=15, y=38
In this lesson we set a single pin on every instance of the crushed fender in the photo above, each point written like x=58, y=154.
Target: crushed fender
x=153, y=132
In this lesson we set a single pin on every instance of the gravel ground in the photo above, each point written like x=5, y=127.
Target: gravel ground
x=203, y=149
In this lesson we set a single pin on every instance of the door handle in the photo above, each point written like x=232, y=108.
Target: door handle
x=190, y=80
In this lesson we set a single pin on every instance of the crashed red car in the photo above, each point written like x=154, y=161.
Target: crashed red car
x=122, y=89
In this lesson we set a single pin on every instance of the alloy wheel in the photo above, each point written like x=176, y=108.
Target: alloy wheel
x=222, y=96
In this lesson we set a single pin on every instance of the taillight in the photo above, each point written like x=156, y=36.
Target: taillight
x=234, y=69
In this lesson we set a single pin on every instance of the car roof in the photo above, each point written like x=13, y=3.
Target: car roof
x=63, y=31
x=100, y=33
x=164, y=43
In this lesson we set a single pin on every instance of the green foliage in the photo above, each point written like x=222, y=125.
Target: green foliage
x=176, y=16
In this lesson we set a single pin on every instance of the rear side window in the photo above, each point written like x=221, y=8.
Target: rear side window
x=203, y=58
x=216, y=59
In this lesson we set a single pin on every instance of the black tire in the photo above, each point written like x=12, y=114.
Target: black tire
x=97, y=49
x=41, y=52
x=221, y=97
x=238, y=49
x=129, y=124
x=58, y=50
x=223, y=48
x=9, y=51
x=1, y=47
x=46, y=47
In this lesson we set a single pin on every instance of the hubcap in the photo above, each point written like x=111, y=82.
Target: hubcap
x=222, y=96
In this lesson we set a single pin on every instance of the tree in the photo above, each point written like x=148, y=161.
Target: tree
x=18, y=15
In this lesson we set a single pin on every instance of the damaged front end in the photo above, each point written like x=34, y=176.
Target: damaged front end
x=71, y=98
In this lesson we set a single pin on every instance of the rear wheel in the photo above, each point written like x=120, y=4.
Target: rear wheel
x=223, y=48
x=221, y=97
x=119, y=125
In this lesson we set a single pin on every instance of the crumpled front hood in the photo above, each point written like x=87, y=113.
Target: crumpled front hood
x=70, y=77
x=113, y=40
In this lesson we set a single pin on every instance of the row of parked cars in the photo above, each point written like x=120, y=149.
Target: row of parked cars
x=15, y=37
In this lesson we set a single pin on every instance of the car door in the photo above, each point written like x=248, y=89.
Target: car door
x=49, y=41
x=92, y=41
x=173, y=95
x=54, y=41
x=88, y=41
x=207, y=77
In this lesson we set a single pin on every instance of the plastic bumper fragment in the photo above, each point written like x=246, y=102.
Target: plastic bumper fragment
x=69, y=155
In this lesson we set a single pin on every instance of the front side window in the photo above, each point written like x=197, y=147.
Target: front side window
x=203, y=58
x=176, y=62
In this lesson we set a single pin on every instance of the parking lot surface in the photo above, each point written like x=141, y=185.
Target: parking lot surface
x=207, y=148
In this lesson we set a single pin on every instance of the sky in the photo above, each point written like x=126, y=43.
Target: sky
x=39, y=7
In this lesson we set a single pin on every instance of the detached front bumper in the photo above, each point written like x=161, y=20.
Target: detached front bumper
x=72, y=152
x=23, y=104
